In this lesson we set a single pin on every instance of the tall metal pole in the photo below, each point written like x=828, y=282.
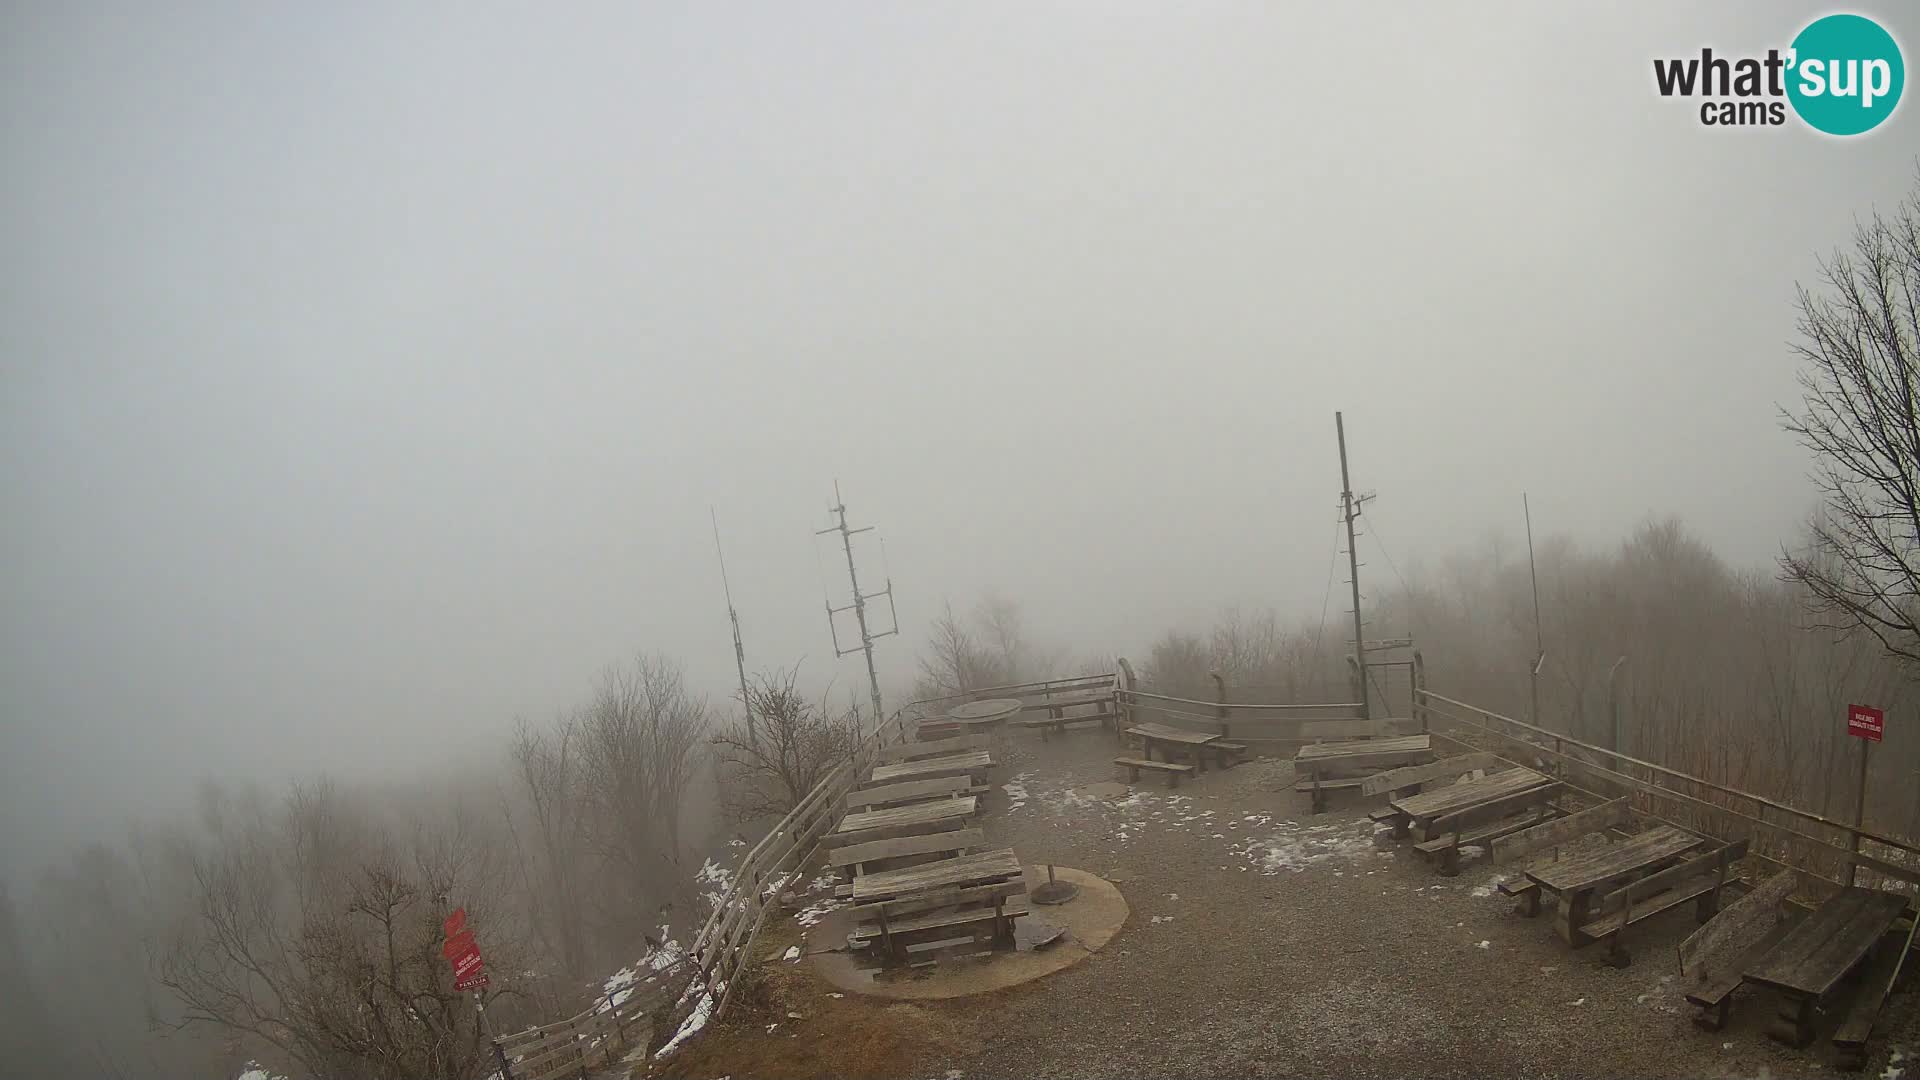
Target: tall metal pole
x=859, y=605
x=739, y=650
x=1539, y=642
x=1353, y=560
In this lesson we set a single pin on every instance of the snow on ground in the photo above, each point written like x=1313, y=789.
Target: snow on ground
x=714, y=880
x=1295, y=847
x=818, y=910
x=1016, y=790
x=255, y=1072
x=695, y=1021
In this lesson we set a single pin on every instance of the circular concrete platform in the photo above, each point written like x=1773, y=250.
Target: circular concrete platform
x=1090, y=920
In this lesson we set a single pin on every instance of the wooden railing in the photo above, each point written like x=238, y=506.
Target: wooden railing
x=703, y=981
x=614, y=1025
x=1807, y=841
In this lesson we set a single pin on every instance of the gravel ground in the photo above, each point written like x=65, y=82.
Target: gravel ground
x=1265, y=941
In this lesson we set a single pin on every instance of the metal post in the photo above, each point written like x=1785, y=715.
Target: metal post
x=1349, y=511
x=1418, y=674
x=860, y=599
x=1859, y=814
x=499, y=1052
x=1539, y=642
x=1220, y=695
x=1613, y=704
x=739, y=650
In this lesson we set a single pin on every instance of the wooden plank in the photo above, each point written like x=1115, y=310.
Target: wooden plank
x=1829, y=942
x=1730, y=933
x=957, y=840
x=1483, y=830
x=938, y=810
x=1595, y=869
x=968, y=762
x=1352, y=729
x=1444, y=769
x=1164, y=733
x=1446, y=800
x=1359, y=747
x=1563, y=831
x=1014, y=907
x=1876, y=986
x=910, y=905
x=1330, y=783
x=1145, y=763
x=911, y=791
x=962, y=870
x=1676, y=893
x=937, y=748
x=1710, y=863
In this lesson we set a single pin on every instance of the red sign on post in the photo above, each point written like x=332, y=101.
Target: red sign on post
x=1866, y=722
x=463, y=952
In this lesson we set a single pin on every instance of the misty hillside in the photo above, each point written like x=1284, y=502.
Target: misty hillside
x=511, y=460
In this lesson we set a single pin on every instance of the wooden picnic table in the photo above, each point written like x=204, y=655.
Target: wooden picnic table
x=1577, y=877
x=1397, y=746
x=968, y=763
x=1819, y=952
x=963, y=870
x=1421, y=810
x=1169, y=738
x=906, y=820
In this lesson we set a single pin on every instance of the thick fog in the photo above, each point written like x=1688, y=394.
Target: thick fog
x=368, y=371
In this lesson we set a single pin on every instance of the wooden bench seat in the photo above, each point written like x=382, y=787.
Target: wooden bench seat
x=1447, y=845
x=1173, y=769
x=1877, y=976
x=855, y=858
x=1308, y=784
x=1382, y=815
x=1699, y=878
x=868, y=932
x=1048, y=725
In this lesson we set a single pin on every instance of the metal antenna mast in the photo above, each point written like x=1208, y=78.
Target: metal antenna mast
x=739, y=650
x=1350, y=509
x=859, y=604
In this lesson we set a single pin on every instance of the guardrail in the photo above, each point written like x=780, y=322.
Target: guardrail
x=572, y=1046
x=1838, y=857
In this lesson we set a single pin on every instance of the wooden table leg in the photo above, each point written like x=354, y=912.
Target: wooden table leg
x=1795, y=1023
x=1572, y=915
x=1402, y=827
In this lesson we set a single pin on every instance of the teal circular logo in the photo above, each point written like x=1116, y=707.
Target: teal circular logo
x=1846, y=74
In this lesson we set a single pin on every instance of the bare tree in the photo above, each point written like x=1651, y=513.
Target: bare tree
x=798, y=745
x=642, y=733
x=1860, y=417
x=550, y=777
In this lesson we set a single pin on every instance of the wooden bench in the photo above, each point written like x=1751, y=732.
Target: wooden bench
x=1480, y=825
x=1838, y=939
x=1382, y=815
x=939, y=787
x=1173, y=769
x=1716, y=955
x=1877, y=978
x=1526, y=892
x=934, y=748
x=856, y=859
x=1411, y=779
x=946, y=919
x=1225, y=753
x=1699, y=878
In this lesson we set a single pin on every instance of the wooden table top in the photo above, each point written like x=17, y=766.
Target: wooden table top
x=979, y=868
x=1402, y=744
x=911, y=814
x=1467, y=793
x=969, y=761
x=1166, y=733
x=1604, y=863
x=989, y=709
x=1827, y=944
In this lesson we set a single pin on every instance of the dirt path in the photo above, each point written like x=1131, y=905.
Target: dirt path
x=1267, y=942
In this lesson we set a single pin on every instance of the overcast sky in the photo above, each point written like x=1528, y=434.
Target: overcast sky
x=367, y=370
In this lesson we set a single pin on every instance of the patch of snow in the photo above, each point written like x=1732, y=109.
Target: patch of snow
x=736, y=843
x=256, y=1072
x=1483, y=944
x=813, y=913
x=1726, y=1046
x=717, y=879
x=1294, y=849
x=1158, y=919
x=1173, y=896
x=1577, y=1002
x=696, y=1020
x=836, y=995
x=792, y=953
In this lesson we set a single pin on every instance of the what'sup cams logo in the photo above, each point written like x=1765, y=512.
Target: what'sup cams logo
x=1842, y=75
